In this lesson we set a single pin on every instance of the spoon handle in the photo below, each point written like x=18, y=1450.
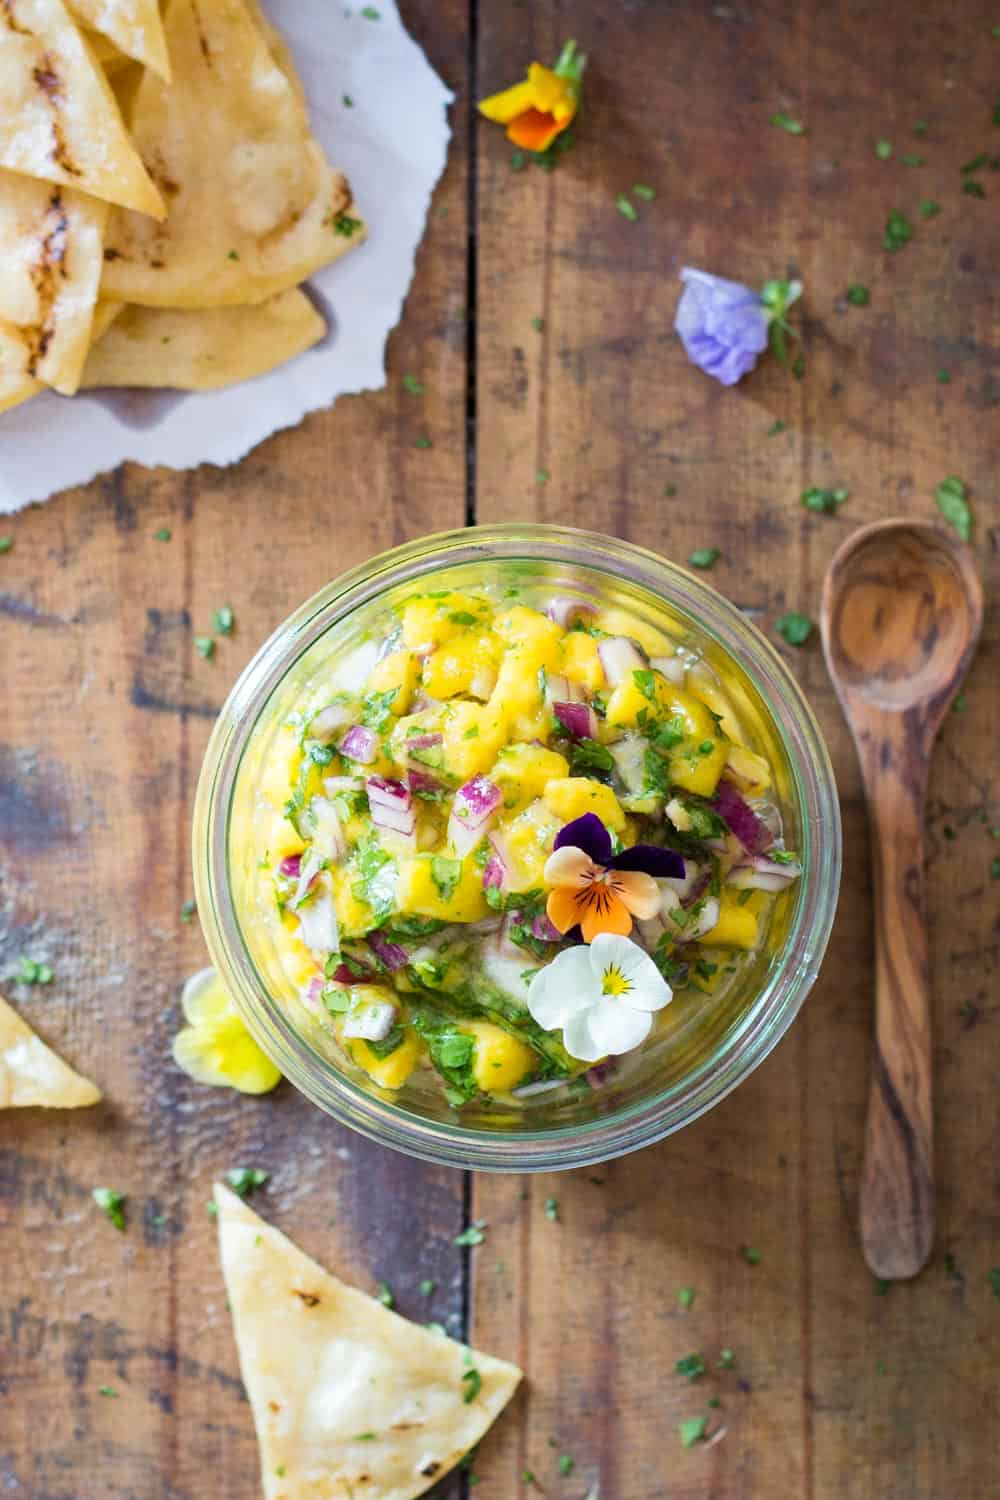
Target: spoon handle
x=897, y=1184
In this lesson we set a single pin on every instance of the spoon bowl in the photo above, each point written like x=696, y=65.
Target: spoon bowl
x=901, y=613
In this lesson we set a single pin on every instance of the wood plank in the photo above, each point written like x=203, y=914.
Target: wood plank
x=836, y=1390
x=106, y=713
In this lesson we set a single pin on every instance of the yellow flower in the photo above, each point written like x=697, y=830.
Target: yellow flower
x=215, y=1047
x=537, y=111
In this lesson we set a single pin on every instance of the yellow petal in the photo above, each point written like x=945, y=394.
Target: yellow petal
x=203, y=997
x=550, y=94
x=217, y=1049
x=506, y=106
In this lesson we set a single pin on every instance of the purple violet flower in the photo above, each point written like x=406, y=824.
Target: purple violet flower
x=724, y=326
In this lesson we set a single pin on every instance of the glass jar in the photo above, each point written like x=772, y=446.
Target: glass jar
x=712, y=1045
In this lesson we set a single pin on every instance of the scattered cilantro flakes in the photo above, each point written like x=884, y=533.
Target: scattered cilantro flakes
x=824, y=502
x=794, y=628
x=799, y=367
x=106, y=1390
x=685, y=1296
x=205, y=646
x=566, y=1464
x=345, y=226
x=473, y=1382
x=280, y=1471
x=163, y=535
x=692, y=1366
x=960, y=704
x=31, y=971
x=542, y=476
x=898, y=230
x=527, y=1477
x=370, y=13
x=223, y=620
x=348, y=102
x=413, y=385
x=995, y=868
x=517, y=161
x=692, y=1430
x=538, y=324
x=233, y=255
x=212, y=1209
x=473, y=1235
x=714, y=1402
x=858, y=296
x=363, y=1437
x=423, y=441
x=626, y=208
x=551, y=1204
x=777, y=426
x=920, y=128
x=383, y=1294
x=928, y=208
x=427, y=1287
x=953, y=505
x=7, y=542
x=972, y=188
x=787, y=123
x=750, y=1255
x=112, y=1204
x=727, y=1359
x=980, y=160
x=244, y=1180
x=669, y=491
x=994, y=1280
x=883, y=150
x=912, y=159
x=187, y=911
x=943, y=377
x=644, y=191
x=704, y=557
x=881, y=1286
x=437, y=1328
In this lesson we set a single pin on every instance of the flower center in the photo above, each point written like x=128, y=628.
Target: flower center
x=613, y=982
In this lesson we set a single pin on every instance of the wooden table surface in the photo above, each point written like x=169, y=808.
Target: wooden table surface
x=840, y=1387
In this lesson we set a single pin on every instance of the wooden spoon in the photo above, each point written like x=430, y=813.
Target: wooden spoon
x=901, y=613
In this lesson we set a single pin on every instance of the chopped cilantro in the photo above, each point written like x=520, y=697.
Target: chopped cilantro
x=427, y=1287
x=413, y=385
x=692, y=1430
x=187, y=911
x=112, y=1204
x=212, y=1209
x=376, y=709
x=232, y=255
x=714, y=1402
x=787, y=123
x=646, y=683
x=858, y=295
x=205, y=646
x=799, y=367
x=953, y=505
x=883, y=150
x=384, y=1295
x=685, y=1296
x=928, y=208
x=626, y=208
x=163, y=535
x=542, y=476
x=644, y=191
x=972, y=188
x=744, y=897
x=370, y=13
x=7, y=542
x=344, y=225
x=704, y=557
x=472, y=1236
x=960, y=704
x=244, y=1180
x=538, y=324
x=517, y=161
x=898, y=230
x=994, y=1280
x=824, y=502
x=473, y=1381
x=776, y=427
x=566, y=1464
x=995, y=868
x=751, y=1256
x=106, y=1390
x=920, y=128
x=691, y=1365
x=348, y=102
x=669, y=491
x=222, y=620
x=423, y=441
x=30, y=971
x=912, y=159
x=363, y=1437
x=980, y=160
x=943, y=377
x=727, y=1359
x=445, y=873
x=552, y=1206
x=587, y=756
x=794, y=628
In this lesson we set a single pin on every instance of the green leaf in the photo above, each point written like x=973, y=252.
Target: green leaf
x=858, y=296
x=787, y=123
x=370, y=13
x=704, y=557
x=685, y=1296
x=646, y=683
x=911, y=159
x=566, y=1464
x=538, y=324
x=423, y=442
x=384, y=1295
x=163, y=535
x=646, y=193
x=750, y=1255
x=824, y=502
x=376, y=709
x=626, y=208
x=691, y=1365
x=979, y=161
x=473, y=1381
x=883, y=150
x=30, y=971
x=795, y=628
x=928, y=208
x=669, y=491
x=898, y=230
x=995, y=868
x=953, y=505
x=187, y=911
x=413, y=385
x=205, y=646
x=551, y=1204
x=243, y=1180
x=727, y=1359
x=973, y=189
x=517, y=161
x=345, y=226
x=776, y=427
x=427, y=1287
x=112, y=1204
x=472, y=1236
x=222, y=620
x=943, y=377
x=994, y=1280
x=542, y=476
x=587, y=756
x=106, y=1390
x=692, y=1430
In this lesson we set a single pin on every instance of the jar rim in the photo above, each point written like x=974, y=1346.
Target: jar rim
x=745, y=1044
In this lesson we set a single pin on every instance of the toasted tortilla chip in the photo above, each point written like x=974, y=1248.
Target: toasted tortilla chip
x=31, y=1073
x=106, y=53
x=105, y=314
x=134, y=26
x=255, y=208
x=51, y=244
x=348, y=1398
x=278, y=48
x=58, y=117
x=200, y=349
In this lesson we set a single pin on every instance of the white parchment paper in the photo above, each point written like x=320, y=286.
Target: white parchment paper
x=392, y=145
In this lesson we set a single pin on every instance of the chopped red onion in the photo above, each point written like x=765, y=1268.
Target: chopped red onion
x=419, y=781
x=372, y=1021
x=318, y=923
x=696, y=890
x=329, y=721
x=544, y=930
x=328, y=832
x=309, y=868
x=359, y=744
x=752, y=832
x=475, y=806
x=565, y=612
x=619, y=658
x=392, y=955
x=289, y=866
x=424, y=741
x=671, y=667
x=544, y=1086
x=498, y=866
x=391, y=805
x=763, y=874
x=598, y=1075
x=578, y=719
x=334, y=785
x=348, y=976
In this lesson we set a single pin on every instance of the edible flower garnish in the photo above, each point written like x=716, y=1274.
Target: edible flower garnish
x=215, y=1047
x=602, y=996
x=538, y=110
x=724, y=326
x=601, y=891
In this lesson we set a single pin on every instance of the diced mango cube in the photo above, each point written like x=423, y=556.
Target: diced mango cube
x=581, y=660
x=737, y=925
x=526, y=842
x=571, y=796
x=522, y=772
x=388, y=1072
x=473, y=733
x=354, y=917
x=750, y=769
x=397, y=672
x=419, y=894
x=281, y=769
x=620, y=622
x=500, y=1061
x=644, y=695
x=430, y=621
x=523, y=626
x=466, y=664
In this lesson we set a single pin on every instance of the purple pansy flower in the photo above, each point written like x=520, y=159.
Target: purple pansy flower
x=724, y=325
x=598, y=891
x=589, y=834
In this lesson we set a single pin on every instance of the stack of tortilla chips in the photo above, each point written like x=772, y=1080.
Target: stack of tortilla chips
x=161, y=197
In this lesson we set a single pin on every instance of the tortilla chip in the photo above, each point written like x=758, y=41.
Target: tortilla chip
x=200, y=349
x=278, y=48
x=348, y=1398
x=105, y=52
x=105, y=314
x=58, y=117
x=134, y=26
x=255, y=208
x=31, y=1073
x=51, y=244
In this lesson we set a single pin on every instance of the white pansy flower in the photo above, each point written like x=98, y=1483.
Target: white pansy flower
x=601, y=994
